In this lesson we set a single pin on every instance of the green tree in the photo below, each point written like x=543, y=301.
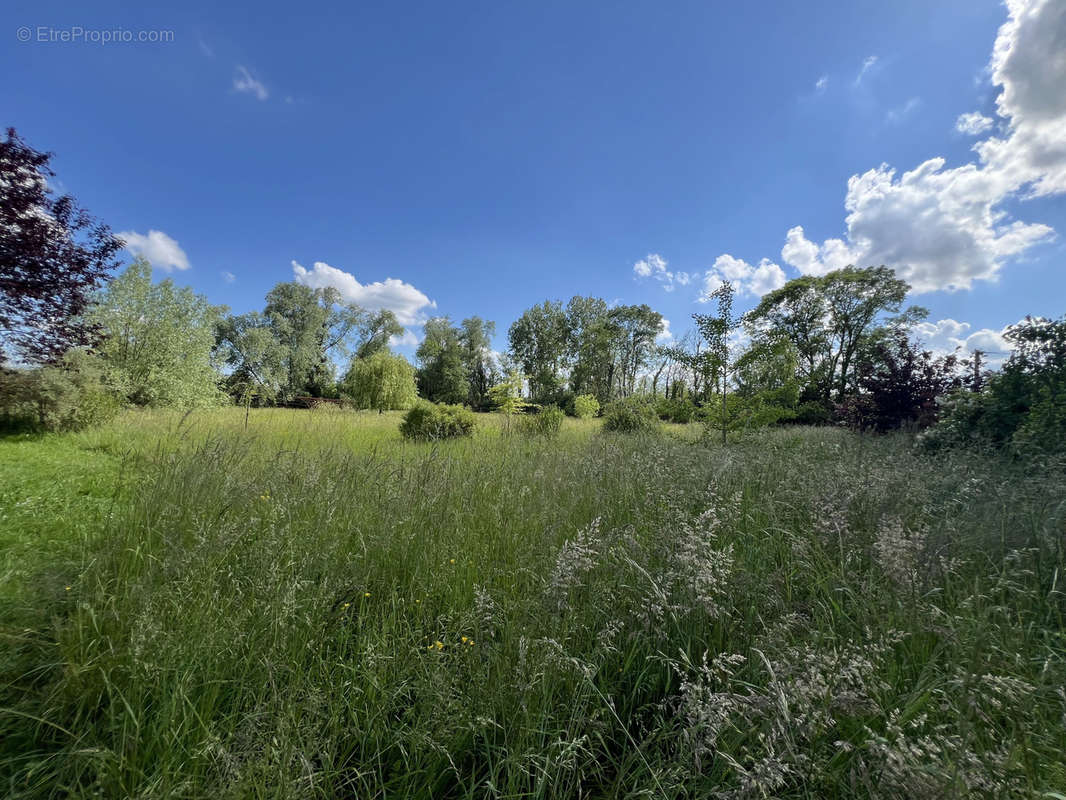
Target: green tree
x=158, y=340
x=442, y=373
x=313, y=327
x=475, y=336
x=375, y=330
x=382, y=380
x=828, y=318
x=538, y=340
x=591, y=344
x=634, y=329
x=716, y=331
x=248, y=347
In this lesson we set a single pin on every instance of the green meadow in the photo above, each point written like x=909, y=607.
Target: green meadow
x=306, y=606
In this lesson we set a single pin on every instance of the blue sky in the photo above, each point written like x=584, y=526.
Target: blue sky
x=487, y=156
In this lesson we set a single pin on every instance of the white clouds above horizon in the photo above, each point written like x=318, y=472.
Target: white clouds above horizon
x=752, y=280
x=245, y=82
x=655, y=266
x=161, y=251
x=947, y=336
x=665, y=334
x=943, y=228
x=973, y=123
x=403, y=299
x=228, y=276
x=821, y=84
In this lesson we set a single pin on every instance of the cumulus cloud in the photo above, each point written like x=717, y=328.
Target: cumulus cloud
x=949, y=336
x=160, y=250
x=244, y=81
x=973, y=123
x=655, y=266
x=401, y=298
x=747, y=279
x=944, y=228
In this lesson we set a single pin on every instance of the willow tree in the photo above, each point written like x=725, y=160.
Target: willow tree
x=384, y=381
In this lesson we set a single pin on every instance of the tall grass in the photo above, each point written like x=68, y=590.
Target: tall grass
x=324, y=611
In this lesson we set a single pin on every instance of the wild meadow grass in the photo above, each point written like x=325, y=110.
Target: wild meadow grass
x=311, y=607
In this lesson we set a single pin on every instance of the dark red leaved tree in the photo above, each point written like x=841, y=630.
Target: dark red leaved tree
x=53, y=256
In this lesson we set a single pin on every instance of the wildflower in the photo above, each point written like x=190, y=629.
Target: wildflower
x=464, y=639
x=470, y=642
x=439, y=644
x=451, y=560
x=68, y=588
x=366, y=594
x=345, y=605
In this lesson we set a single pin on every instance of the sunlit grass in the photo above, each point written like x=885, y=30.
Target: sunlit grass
x=312, y=607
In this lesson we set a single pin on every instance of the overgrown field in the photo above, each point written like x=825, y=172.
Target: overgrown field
x=312, y=608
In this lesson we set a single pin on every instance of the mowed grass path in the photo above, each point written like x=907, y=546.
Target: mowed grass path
x=311, y=607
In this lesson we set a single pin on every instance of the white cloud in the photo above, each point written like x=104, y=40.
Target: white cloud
x=243, y=81
x=664, y=335
x=161, y=251
x=973, y=123
x=943, y=228
x=868, y=63
x=748, y=279
x=655, y=266
x=821, y=83
x=407, y=339
x=228, y=276
x=948, y=336
x=403, y=299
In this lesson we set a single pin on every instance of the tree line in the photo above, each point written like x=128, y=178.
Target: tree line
x=836, y=347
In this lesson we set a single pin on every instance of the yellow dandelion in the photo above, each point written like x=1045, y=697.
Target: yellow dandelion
x=463, y=639
x=366, y=594
x=346, y=605
x=418, y=601
x=68, y=588
x=451, y=561
x=430, y=647
x=471, y=643
x=439, y=644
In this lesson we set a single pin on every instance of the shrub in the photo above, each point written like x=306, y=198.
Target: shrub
x=681, y=411
x=69, y=396
x=427, y=421
x=811, y=413
x=632, y=415
x=586, y=406
x=1021, y=408
x=547, y=422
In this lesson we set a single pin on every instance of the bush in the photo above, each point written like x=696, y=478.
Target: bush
x=1021, y=409
x=632, y=415
x=69, y=396
x=427, y=421
x=547, y=422
x=681, y=411
x=586, y=406
x=811, y=413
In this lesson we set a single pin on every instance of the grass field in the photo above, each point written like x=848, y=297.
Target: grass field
x=310, y=607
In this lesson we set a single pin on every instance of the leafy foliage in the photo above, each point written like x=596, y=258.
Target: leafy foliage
x=157, y=340
x=381, y=381
x=506, y=396
x=430, y=421
x=1023, y=407
x=53, y=256
x=547, y=422
x=630, y=415
x=70, y=395
x=443, y=372
x=899, y=385
x=586, y=406
x=680, y=410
